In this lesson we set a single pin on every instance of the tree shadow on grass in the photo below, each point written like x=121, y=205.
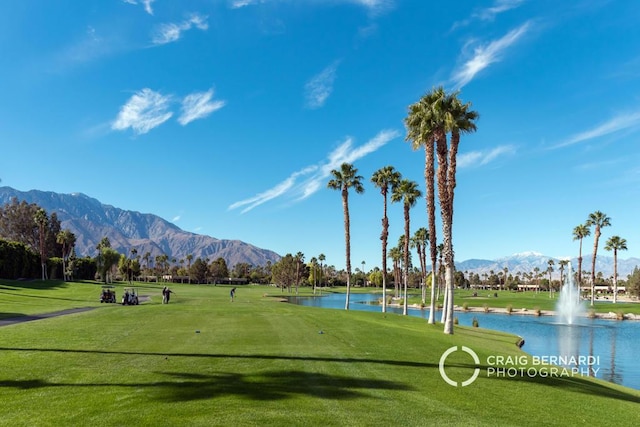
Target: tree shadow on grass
x=574, y=384
x=273, y=385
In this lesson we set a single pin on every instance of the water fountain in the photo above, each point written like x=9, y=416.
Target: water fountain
x=569, y=307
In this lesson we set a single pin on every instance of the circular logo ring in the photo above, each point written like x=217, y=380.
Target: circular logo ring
x=446, y=354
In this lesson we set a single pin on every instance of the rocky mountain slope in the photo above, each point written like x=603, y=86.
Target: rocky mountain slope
x=91, y=220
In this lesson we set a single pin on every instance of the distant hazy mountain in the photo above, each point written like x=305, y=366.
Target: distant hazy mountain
x=91, y=220
x=526, y=262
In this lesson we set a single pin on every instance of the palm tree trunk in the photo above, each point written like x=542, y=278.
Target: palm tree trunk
x=593, y=264
x=429, y=176
x=385, y=235
x=347, y=238
x=615, y=275
x=406, y=256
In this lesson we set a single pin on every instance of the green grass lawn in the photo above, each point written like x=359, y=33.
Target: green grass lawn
x=203, y=360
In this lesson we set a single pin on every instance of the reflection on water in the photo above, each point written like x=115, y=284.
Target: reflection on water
x=610, y=342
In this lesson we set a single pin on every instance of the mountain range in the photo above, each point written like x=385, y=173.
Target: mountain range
x=527, y=262
x=91, y=221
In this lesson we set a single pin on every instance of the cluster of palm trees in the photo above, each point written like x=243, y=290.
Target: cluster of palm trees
x=599, y=220
x=430, y=122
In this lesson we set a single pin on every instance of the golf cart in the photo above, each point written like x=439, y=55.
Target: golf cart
x=130, y=296
x=108, y=294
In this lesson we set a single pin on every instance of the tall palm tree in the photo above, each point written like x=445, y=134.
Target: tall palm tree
x=314, y=267
x=615, y=244
x=597, y=220
x=299, y=261
x=422, y=127
x=458, y=118
x=561, y=266
x=395, y=253
x=321, y=258
x=419, y=240
x=189, y=259
x=580, y=232
x=344, y=178
x=42, y=220
x=385, y=178
x=408, y=193
x=550, y=264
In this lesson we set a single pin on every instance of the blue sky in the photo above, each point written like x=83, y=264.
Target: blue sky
x=226, y=116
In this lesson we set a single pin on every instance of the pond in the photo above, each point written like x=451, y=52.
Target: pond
x=613, y=343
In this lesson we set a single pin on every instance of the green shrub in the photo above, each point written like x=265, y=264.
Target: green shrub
x=509, y=308
x=455, y=320
x=537, y=311
x=620, y=315
x=465, y=306
x=474, y=322
x=486, y=308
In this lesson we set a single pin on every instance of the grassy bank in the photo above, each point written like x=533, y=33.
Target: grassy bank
x=203, y=360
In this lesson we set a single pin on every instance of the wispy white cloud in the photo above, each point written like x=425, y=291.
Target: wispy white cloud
x=488, y=13
x=176, y=218
x=237, y=4
x=485, y=55
x=622, y=122
x=305, y=182
x=197, y=106
x=168, y=33
x=318, y=89
x=373, y=6
x=145, y=3
x=144, y=111
x=481, y=158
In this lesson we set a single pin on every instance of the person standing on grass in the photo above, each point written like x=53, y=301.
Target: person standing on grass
x=232, y=294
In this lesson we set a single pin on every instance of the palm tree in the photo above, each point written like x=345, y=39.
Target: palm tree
x=580, y=232
x=457, y=118
x=189, y=259
x=321, y=258
x=598, y=220
x=68, y=240
x=42, y=220
x=395, y=253
x=562, y=264
x=615, y=244
x=385, y=178
x=419, y=240
x=550, y=264
x=299, y=261
x=343, y=179
x=408, y=193
x=422, y=126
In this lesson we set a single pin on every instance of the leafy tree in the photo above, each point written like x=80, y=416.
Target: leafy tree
x=343, y=179
x=218, y=269
x=633, y=283
x=199, y=270
x=615, y=244
x=284, y=272
x=408, y=193
x=110, y=258
x=386, y=178
x=597, y=220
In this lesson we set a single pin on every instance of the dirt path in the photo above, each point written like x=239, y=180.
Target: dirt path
x=22, y=319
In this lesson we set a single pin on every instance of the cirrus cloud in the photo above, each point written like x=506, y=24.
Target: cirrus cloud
x=144, y=111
